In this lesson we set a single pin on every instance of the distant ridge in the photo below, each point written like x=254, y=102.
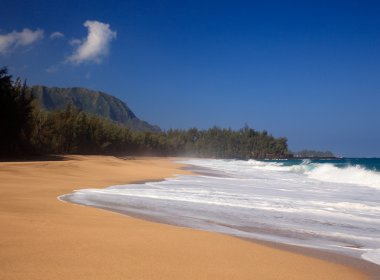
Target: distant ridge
x=93, y=102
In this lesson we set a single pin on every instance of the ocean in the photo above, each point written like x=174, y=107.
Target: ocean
x=332, y=205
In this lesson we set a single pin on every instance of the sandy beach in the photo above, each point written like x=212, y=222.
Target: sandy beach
x=44, y=238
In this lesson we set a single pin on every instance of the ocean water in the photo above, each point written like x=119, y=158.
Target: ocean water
x=327, y=204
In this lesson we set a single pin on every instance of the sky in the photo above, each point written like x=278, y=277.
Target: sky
x=305, y=70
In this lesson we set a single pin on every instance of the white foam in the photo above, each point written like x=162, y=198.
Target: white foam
x=319, y=171
x=352, y=175
x=260, y=200
x=372, y=256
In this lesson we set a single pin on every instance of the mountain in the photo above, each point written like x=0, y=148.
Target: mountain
x=90, y=101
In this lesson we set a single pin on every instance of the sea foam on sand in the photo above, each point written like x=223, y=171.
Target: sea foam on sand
x=262, y=200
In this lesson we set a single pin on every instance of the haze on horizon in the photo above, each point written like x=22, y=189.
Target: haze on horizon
x=306, y=70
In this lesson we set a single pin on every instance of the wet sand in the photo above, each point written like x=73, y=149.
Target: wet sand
x=44, y=238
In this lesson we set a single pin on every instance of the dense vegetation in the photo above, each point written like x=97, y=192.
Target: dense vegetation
x=90, y=101
x=26, y=128
x=15, y=112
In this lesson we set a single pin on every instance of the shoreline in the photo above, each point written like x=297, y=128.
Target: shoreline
x=371, y=269
x=95, y=244
x=359, y=263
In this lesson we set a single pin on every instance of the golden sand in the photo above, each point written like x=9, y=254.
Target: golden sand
x=44, y=238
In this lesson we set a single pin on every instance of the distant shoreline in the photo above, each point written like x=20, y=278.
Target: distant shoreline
x=317, y=158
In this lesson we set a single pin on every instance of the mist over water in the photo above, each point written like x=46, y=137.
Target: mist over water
x=332, y=205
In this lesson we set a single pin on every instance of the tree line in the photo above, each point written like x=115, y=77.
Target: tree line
x=28, y=129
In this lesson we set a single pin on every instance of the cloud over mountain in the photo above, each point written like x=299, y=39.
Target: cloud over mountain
x=14, y=39
x=95, y=46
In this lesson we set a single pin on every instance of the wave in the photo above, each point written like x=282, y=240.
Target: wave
x=326, y=172
x=352, y=175
x=307, y=203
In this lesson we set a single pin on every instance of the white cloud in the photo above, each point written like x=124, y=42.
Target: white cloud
x=75, y=42
x=56, y=35
x=95, y=46
x=13, y=40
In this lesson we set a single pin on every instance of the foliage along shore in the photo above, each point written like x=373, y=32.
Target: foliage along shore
x=28, y=129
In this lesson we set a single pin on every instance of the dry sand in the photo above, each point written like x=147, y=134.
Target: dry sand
x=44, y=238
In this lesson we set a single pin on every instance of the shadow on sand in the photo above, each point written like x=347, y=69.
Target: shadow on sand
x=26, y=158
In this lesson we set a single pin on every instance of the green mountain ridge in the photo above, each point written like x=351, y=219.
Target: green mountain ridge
x=90, y=101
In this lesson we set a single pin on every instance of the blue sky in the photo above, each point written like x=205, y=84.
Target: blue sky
x=307, y=70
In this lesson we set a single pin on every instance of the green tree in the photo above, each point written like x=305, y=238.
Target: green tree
x=15, y=114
